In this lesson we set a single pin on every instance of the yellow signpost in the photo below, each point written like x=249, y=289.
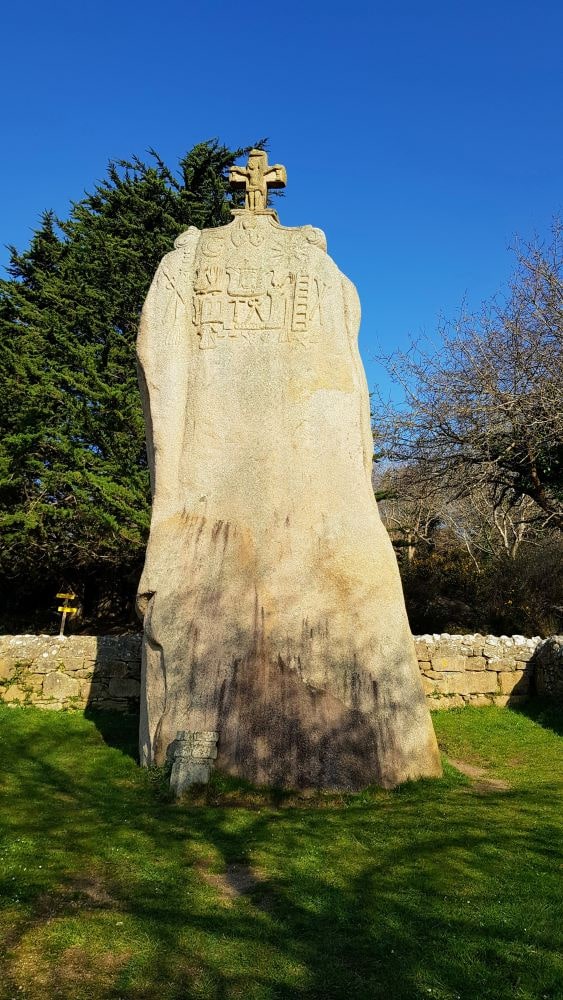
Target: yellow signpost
x=66, y=609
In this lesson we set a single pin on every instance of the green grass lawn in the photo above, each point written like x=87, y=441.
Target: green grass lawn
x=441, y=889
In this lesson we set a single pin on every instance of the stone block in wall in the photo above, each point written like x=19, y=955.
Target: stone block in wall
x=98, y=685
x=476, y=663
x=462, y=683
x=8, y=669
x=130, y=646
x=480, y=682
x=50, y=659
x=83, y=646
x=446, y=701
x=447, y=662
x=71, y=664
x=85, y=688
x=434, y=675
x=479, y=700
x=14, y=695
x=499, y=663
x=86, y=671
x=124, y=687
x=432, y=685
x=490, y=651
x=524, y=654
x=465, y=649
x=515, y=682
x=110, y=668
x=57, y=685
x=33, y=682
x=504, y=700
x=118, y=647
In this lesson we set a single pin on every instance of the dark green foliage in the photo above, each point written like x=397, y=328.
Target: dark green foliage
x=74, y=491
x=445, y=591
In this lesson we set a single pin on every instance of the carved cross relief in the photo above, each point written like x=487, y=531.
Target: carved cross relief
x=256, y=178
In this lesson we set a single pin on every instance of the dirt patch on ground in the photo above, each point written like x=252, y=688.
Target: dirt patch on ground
x=90, y=892
x=87, y=893
x=481, y=781
x=238, y=879
x=34, y=975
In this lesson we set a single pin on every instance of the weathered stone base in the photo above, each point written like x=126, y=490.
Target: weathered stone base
x=192, y=756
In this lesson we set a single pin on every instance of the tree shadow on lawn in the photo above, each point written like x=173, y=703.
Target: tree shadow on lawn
x=422, y=892
x=387, y=930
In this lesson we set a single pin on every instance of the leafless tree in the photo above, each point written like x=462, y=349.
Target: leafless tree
x=483, y=411
x=419, y=517
x=410, y=513
x=489, y=527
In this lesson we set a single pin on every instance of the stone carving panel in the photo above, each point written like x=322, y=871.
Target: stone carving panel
x=270, y=297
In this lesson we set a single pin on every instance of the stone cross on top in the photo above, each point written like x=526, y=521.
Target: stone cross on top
x=256, y=178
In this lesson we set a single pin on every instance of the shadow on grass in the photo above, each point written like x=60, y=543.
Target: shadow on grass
x=118, y=730
x=544, y=711
x=420, y=892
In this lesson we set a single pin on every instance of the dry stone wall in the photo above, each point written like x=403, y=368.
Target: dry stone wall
x=76, y=671
x=549, y=669
x=103, y=672
x=460, y=670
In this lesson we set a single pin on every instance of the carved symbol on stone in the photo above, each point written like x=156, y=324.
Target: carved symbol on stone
x=245, y=280
x=208, y=333
x=300, y=300
x=283, y=285
x=172, y=286
x=187, y=239
x=319, y=289
x=280, y=251
x=244, y=231
x=315, y=237
x=210, y=278
x=258, y=310
x=212, y=246
x=174, y=306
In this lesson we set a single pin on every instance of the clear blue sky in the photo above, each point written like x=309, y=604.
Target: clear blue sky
x=420, y=136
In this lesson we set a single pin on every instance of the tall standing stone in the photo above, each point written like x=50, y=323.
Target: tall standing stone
x=275, y=626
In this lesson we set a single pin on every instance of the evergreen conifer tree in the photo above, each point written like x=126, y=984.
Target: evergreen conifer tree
x=74, y=490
